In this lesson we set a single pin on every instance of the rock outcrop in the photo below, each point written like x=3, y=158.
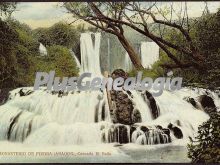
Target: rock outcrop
x=148, y=97
x=176, y=131
x=191, y=101
x=207, y=103
x=123, y=111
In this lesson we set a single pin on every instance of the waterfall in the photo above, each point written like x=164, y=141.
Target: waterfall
x=149, y=53
x=141, y=106
x=75, y=58
x=42, y=50
x=44, y=112
x=175, y=109
x=83, y=117
x=42, y=117
x=90, y=61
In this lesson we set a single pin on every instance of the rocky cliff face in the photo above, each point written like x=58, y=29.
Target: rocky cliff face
x=125, y=118
x=123, y=110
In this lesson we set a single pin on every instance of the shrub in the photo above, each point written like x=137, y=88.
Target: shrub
x=206, y=146
x=59, y=59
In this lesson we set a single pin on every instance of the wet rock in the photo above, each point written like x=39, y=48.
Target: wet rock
x=144, y=128
x=122, y=134
x=207, y=103
x=23, y=93
x=191, y=101
x=144, y=135
x=61, y=93
x=119, y=73
x=176, y=131
x=13, y=121
x=129, y=93
x=166, y=131
x=159, y=127
x=103, y=111
x=132, y=129
x=136, y=117
x=153, y=105
x=123, y=107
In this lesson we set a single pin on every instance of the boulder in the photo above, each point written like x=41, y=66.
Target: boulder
x=136, y=116
x=122, y=134
x=144, y=128
x=191, y=101
x=123, y=106
x=152, y=104
x=119, y=73
x=176, y=131
x=25, y=93
x=207, y=103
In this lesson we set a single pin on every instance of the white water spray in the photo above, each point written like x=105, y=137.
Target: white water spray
x=42, y=49
x=43, y=117
x=90, y=61
x=75, y=58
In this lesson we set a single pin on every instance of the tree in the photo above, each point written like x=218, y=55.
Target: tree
x=60, y=60
x=181, y=25
x=60, y=34
x=8, y=39
x=91, y=13
x=18, y=49
x=7, y=8
x=111, y=16
x=206, y=35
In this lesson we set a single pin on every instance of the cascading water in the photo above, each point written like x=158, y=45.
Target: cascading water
x=90, y=61
x=42, y=49
x=149, y=53
x=75, y=58
x=83, y=117
x=128, y=63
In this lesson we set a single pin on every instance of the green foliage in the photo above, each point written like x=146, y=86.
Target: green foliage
x=20, y=57
x=146, y=73
x=59, y=59
x=8, y=61
x=206, y=146
x=59, y=34
x=18, y=49
x=206, y=37
x=6, y=8
x=155, y=72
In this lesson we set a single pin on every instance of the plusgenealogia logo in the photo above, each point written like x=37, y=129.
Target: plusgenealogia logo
x=86, y=82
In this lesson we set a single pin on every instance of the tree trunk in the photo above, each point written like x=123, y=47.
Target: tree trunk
x=132, y=54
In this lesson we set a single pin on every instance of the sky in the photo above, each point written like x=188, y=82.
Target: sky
x=45, y=14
